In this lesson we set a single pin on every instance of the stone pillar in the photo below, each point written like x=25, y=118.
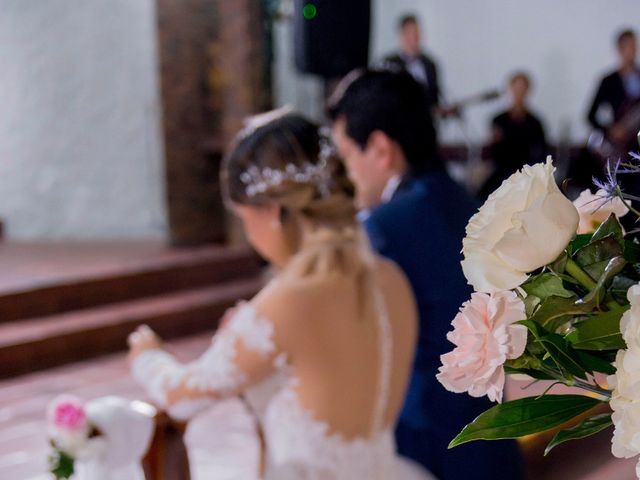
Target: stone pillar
x=239, y=64
x=239, y=74
x=211, y=73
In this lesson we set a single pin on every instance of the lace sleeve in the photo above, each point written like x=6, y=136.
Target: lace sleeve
x=241, y=353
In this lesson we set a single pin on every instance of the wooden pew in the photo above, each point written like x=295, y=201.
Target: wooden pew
x=167, y=456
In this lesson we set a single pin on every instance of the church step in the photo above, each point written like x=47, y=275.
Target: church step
x=123, y=279
x=40, y=343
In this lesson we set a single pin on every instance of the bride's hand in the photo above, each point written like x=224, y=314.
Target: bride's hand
x=142, y=339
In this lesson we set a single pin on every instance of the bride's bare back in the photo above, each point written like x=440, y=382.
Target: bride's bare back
x=329, y=331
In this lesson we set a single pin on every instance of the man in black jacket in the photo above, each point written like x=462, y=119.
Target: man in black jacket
x=617, y=93
x=412, y=59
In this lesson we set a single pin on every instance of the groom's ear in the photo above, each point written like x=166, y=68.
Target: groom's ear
x=380, y=147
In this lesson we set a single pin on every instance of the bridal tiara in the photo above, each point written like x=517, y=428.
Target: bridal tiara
x=259, y=180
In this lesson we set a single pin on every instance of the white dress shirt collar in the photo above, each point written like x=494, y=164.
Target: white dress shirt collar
x=387, y=194
x=390, y=188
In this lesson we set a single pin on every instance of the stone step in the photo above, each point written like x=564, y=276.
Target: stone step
x=57, y=281
x=45, y=342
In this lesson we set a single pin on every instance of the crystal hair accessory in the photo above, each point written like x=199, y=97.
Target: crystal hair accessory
x=258, y=180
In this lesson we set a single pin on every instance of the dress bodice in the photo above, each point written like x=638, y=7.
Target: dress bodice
x=302, y=447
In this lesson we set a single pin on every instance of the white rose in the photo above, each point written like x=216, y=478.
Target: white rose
x=595, y=209
x=625, y=399
x=524, y=225
x=630, y=321
x=69, y=442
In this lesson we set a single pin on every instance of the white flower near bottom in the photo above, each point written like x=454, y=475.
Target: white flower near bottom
x=485, y=337
x=525, y=224
x=625, y=400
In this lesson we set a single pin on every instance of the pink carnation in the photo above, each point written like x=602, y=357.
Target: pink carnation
x=67, y=413
x=485, y=337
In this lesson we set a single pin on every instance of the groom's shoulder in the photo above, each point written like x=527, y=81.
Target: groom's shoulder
x=429, y=196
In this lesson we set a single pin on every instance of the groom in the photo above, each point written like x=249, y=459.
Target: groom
x=415, y=215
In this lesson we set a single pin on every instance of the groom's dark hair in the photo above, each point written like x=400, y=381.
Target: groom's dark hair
x=393, y=103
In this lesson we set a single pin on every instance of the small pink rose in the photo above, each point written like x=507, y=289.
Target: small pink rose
x=67, y=413
x=485, y=337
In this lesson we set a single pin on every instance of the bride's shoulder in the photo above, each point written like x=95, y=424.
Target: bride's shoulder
x=391, y=274
x=285, y=299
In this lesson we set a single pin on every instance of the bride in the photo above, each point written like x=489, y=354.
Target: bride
x=337, y=324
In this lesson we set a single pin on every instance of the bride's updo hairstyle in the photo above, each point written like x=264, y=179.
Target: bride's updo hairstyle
x=282, y=158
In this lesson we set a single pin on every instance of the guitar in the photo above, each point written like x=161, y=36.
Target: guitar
x=455, y=109
x=619, y=138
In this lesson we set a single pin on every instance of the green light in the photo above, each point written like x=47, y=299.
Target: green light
x=309, y=11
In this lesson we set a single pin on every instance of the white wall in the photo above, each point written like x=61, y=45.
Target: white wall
x=80, y=139
x=566, y=45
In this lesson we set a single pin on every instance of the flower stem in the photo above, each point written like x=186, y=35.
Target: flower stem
x=586, y=281
x=580, y=275
x=627, y=202
x=576, y=383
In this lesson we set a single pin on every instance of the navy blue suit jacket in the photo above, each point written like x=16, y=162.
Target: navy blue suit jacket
x=421, y=229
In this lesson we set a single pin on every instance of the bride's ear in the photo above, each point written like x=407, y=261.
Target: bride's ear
x=273, y=214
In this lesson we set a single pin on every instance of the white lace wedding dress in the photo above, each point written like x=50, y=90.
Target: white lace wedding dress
x=299, y=446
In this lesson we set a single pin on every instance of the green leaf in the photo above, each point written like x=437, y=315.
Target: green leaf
x=604, y=249
x=558, y=349
x=531, y=302
x=611, y=226
x=61, y=465
x=622, y=283
x=555, y=311
x=596, y=270
x=599, y=332
x=579, y=241
x=593, y=363
x=631, y=251
x=524, y=417
x=535, y=374
x=546, y=285
x=614, y=267
x=558, y=265
x=588, y=427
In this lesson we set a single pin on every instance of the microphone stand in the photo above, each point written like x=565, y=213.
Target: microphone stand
x=473, y=154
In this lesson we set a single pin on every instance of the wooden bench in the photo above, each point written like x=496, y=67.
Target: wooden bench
x=167, y=456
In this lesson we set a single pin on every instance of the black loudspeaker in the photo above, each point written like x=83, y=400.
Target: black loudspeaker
x=331, y=36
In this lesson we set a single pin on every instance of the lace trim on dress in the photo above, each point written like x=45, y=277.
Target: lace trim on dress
x=215, y=370
x=296, y=436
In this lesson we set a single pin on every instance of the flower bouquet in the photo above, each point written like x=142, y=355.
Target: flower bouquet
x=69, y=434
x=557, y=298
x=104, y=439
